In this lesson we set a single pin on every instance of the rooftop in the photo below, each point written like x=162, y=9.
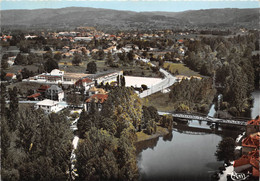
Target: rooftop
x=47, y=102
x=98, y=98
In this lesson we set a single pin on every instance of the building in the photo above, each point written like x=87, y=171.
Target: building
x=98, y=99
x=57, y=76
x=248, y=163
x=253, y=126
x=10, y=77
x=35, y=97
x=94, y=90
x=54, y=93
x=48, y=106
x=42, y=89
x=250, y=143
x=85, y=83
x=106, y=77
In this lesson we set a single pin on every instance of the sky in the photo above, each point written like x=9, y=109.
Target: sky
x=132, y=5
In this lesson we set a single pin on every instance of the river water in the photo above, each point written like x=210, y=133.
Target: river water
x=187, y=154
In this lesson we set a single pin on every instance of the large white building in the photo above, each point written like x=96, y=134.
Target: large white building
x=48, y=106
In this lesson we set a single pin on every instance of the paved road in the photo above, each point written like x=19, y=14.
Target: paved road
x=165, y=83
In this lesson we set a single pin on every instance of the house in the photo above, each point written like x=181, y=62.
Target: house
x=86, y=82
x=98, y=99
x=54, y=93
x=250, y=143
x=253, y=126
x=42, y=89
x=35, y=97
x=94, y=90
x=48, y=106
x=10, y=77
x=248, y=163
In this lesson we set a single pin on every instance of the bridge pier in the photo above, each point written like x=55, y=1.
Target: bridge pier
x=216, y=126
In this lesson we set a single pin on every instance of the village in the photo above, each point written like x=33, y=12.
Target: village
x=114, y=87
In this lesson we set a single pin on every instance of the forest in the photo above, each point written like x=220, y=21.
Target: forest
x=231, y=62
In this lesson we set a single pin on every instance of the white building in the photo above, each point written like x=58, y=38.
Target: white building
x=48, y=106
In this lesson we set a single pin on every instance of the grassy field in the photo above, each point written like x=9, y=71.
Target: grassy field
x=160, y=101
x=15, y=68
x=182, y=69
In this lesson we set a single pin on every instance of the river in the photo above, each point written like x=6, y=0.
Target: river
x=185, y=155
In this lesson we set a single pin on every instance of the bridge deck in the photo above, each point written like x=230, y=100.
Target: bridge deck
x=206, y=118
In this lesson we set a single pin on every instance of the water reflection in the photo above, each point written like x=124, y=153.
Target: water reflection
x=183, y=155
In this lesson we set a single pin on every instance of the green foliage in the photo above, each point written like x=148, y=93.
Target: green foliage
x=235, y=67
x=38, y=149
x=101, y=156
x=225, y=150
x=50, y=64
x=192, y=95
x=77, y=59
x=167, y=121
x=92, y=67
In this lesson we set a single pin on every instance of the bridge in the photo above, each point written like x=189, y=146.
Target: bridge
x=201, y=117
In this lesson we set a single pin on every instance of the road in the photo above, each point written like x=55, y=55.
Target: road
x=165, y=83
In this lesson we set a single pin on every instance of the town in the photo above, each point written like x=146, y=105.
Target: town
x=85, y=103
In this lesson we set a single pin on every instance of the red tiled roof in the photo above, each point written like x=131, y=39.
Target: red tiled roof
x=34, y=95
x=80, y=81
x=255, y=172
x=243, y=160
x=251, y=141
x=9, y=75
x=98, y=97
x=252, y=158
x=254, y=122
x=43, y=88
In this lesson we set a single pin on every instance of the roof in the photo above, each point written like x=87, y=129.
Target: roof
x=98, y=98
x=9, y=75
x=252, y=158
x=75, y=75
x=43, y=88
x=252, y=140
x=99, y=90
x=80, y=81
x=254, y=121
x=34, y=95
x=47, y=102
x=55, y=87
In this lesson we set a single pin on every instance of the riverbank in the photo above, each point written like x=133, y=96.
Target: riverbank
x=141, y=136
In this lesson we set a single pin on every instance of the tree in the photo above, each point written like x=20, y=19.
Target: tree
x=92, y=67
x=20, y=60
x=225, y=150
x=73, y=100
x=95, y=156
x=50, y=64
x=57, y=56
x=109, y=59
x=77, y=59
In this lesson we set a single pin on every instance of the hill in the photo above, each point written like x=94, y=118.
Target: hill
x=113, y=19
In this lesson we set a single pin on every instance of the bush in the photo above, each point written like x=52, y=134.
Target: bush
x=144, y=87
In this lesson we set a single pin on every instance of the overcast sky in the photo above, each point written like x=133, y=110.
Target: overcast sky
x=133, y=5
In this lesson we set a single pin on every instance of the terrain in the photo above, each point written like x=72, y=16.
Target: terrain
x=107, y=19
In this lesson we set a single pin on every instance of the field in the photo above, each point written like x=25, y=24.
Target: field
x=182, y=69
x=160, y=101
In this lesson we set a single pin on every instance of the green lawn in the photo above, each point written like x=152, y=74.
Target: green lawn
x=182, y=69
